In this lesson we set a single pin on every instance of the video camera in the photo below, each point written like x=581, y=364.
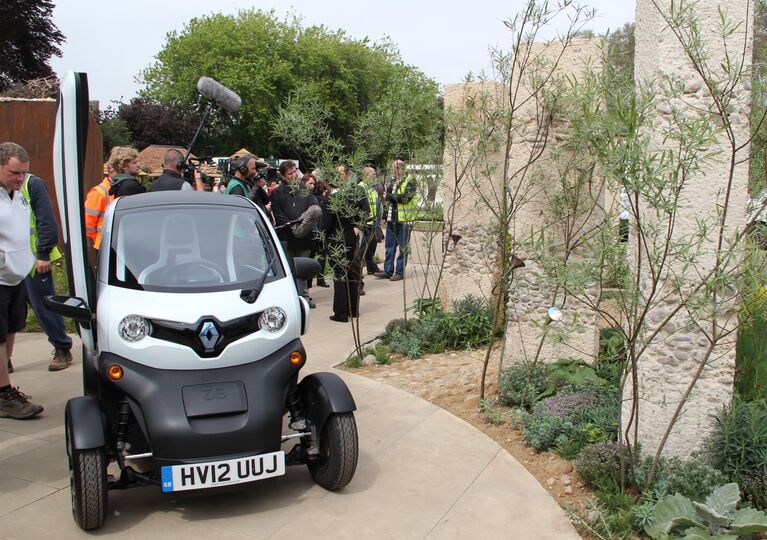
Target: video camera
x=192, y=165
x=227, y=169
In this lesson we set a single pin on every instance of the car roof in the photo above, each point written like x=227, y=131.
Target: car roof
x=164, y=198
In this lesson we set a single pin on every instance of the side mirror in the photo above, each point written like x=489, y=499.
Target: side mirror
x=306, y=267
x=70, y=306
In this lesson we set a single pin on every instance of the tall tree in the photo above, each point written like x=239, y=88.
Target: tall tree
x=28, y=39
x=152, y=122
x=266, y=60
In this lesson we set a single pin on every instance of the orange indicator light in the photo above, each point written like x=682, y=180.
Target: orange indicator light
x=296, y=358
x=115, y=372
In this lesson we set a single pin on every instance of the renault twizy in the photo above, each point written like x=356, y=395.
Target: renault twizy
x=191, y=332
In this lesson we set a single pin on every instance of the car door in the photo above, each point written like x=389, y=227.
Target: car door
x=68, y=166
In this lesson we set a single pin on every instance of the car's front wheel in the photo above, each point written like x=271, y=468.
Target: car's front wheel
x=88, y=485
x=339, y=451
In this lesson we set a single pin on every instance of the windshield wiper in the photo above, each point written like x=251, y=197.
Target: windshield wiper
x=250, y=295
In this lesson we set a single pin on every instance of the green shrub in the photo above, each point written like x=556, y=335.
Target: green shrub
x=405, y=343
x=568, y=447
x=751, y=350
x=605, y=522
x=493, y=413
x=395, y=326
x=353, y=362
x=678, y=517
x=611, y=359
x=738, y=445
x=692, y=478
x=754, y=487
x=542, y=431
x=428, y=332
x=599, y=465
x=424, y=306
x=523, y=385
x=469, y=324
x=381, y=352
x=572, y=372
x=435, y=330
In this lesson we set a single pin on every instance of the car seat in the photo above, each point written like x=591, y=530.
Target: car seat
x=179, y=242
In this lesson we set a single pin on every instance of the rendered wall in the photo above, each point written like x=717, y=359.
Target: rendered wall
x=672, y=358
x=535, y=188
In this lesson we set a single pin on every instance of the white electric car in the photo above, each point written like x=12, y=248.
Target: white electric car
x=192, y=357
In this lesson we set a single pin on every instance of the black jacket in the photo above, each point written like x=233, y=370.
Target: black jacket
x=45, y=221
x=124, y=184
x=350, y=208
x=289, y=201
x=169, y=180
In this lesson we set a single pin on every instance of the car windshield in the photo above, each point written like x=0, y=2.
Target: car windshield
x=191, y=248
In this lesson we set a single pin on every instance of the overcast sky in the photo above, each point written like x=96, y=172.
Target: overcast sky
x=112, y=41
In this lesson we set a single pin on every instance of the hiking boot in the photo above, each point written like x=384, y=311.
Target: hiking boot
x=382, y=275
x=10, y=366
x=61, y=360
x=396, y=277
x=14, y=404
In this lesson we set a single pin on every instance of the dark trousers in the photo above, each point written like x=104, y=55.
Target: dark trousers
x=346, y=295
x=370, y=250
x=291, y=254
x=52, y=323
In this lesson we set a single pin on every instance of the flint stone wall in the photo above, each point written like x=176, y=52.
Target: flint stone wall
x=671, y=359
x=531, y=294
x=471, y=253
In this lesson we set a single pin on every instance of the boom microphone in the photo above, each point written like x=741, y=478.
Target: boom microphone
x=219, y=93
x=306, y=221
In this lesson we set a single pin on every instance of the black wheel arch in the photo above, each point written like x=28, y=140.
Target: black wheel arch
x=85, y=422
x=324, y=394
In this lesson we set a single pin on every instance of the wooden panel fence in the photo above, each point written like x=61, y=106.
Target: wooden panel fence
x=31, y=124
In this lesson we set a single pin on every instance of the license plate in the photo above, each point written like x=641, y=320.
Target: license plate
x=222, y=473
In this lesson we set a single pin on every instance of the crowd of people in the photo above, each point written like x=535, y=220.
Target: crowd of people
x=336, y=216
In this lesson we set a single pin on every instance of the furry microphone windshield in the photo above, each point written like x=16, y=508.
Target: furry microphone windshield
x=219, y=93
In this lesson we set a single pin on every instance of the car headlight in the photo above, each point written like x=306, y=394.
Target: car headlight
x=133, y=328
x=272, y=319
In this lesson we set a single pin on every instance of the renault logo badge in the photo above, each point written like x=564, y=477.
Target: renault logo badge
x=209, y=335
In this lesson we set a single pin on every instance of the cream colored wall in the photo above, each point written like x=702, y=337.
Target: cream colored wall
x=668, y=365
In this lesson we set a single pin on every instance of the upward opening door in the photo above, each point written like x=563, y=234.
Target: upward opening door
x=68, y=165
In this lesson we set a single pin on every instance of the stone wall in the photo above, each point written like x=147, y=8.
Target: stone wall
x=471, y=265
x=471, y=252
x=535, y=188
x=671, y=358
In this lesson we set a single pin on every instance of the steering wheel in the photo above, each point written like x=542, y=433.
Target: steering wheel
x=195, y=271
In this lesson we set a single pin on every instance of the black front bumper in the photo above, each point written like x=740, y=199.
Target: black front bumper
x=195, y=415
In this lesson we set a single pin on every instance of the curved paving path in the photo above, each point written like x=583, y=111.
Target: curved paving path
x=422, y=474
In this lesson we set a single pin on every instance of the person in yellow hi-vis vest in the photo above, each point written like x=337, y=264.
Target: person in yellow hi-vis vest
x=402, y=207
x=44, y=236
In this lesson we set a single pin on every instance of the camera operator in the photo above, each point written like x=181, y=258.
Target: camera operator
x=258, y=193
x=172, y=179
x=242, y=178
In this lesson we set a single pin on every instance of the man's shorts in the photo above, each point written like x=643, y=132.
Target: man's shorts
x=13, y=310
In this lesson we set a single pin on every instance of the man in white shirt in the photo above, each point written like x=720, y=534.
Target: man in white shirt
x=16, y=261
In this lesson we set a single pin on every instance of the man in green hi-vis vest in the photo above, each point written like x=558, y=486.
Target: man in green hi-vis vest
x=39, y=282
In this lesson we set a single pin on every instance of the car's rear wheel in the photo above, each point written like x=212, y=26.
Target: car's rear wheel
x=88, y=485
x=339, y=451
